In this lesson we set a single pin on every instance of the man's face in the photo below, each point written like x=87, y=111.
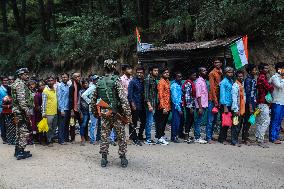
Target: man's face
x=11, y=80
x=50, y=82
x=5, y=81
x=193, y=77
x=140, y=74
x=128, y=71
x=178, y=77
x=203, y=72
x=254, y=71
x=32, y=86
x=166, y=74
x=25, y=76
x=217, y=64
x=64, y=78
x=240, y=77
x=77, y=77
x=155, y=72
x=266, y=69
x=85, y=85
x=230, y=73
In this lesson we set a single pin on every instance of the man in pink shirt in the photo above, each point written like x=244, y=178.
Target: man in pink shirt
x=201, y=103
x=126, y=78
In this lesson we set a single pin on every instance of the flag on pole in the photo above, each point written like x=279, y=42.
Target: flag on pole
x=137, y=35
x=240, y=52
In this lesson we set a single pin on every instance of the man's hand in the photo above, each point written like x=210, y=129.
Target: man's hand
x=250, y=109
x=133, y=107
x=226, y=110
x=72, y=113
x=237, y=113
x=165, y=111
x=150, y=108
x=216, y=104
x=200, y=111
x=62, y=113
x=43, y=115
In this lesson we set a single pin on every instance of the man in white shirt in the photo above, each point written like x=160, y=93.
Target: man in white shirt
x=277, y=108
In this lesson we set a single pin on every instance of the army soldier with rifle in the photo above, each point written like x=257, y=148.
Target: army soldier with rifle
x=110, y=103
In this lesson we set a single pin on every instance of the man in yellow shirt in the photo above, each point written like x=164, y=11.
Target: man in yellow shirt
x=49, y=108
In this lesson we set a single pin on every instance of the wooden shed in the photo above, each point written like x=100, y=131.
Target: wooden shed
x=185, y=56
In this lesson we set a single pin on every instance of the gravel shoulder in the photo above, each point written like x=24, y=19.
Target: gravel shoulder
x=173, y=166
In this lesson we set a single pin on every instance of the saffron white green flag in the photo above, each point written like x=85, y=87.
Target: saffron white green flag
x=240, y=52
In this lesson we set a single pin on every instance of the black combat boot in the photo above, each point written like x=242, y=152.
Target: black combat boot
x=17, y=150
x=104, y=161
x=124, y=161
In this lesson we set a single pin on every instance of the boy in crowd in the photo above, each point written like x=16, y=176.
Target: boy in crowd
x=238, y=107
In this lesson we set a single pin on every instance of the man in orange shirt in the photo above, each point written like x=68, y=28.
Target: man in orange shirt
x=164, y=105
x=215, y=77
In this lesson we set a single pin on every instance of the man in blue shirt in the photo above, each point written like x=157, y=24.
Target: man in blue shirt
x=3, y=93
x=136, y=101
x=250, y=90
x=226, y=99
x=63, y=107
x=176, y=97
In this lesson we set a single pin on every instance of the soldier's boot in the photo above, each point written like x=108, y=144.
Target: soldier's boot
x=17, y=151
x=22, y=155
x=124, y=161
x=104, y=161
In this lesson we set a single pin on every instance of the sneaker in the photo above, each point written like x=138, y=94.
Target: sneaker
x=200, y=141
x=211, y=142
x=138, y=143
x=50, y=145
x=150, y=142
x=277, y=142
x=262, y=144
x=176, y=140
x=162, y=141
x=237, y=144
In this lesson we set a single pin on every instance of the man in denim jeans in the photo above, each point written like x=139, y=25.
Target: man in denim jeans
x=215, y=77
x=151, y=91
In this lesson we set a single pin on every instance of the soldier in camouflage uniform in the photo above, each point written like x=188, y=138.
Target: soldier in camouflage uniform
x=22, y=109
x=110, y=90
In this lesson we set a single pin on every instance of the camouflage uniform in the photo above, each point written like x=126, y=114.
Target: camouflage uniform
x=22, y=105
x=112, y=122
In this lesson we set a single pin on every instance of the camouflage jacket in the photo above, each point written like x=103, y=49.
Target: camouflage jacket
x=22, y=97
x=125, y=107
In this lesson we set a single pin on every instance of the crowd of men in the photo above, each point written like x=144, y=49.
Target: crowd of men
x=110, y=102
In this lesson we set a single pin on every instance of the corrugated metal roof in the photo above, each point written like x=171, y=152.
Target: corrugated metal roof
x=194, y=45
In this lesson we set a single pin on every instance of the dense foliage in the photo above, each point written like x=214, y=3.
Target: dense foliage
x=69, y=33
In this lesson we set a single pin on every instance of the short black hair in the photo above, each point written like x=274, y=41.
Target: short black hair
x=124, y=67
x=151, y=68
x=163, y=69
x=191, y=72
x=217, y=59
x=140, y=68
x=4, y=77
x=177, y=73
x=49, y=77
x=261, y=66
x=238, y=72
x=199, y=69
x=250, y=67
x=65, y=74
x=279, y=65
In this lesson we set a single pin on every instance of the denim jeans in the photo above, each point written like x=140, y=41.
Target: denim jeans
x=84, y=123
x=149, y=123
x=276, y=119
x=176, y=118
x=197, y=131
x=212, y=119
x=52, y=125
x=64, y=127
x=92, y=127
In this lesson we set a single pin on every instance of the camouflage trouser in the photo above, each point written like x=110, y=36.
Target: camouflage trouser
x=107, y=124
x=22, y=132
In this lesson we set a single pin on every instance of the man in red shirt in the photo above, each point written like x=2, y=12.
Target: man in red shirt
x=263, y=119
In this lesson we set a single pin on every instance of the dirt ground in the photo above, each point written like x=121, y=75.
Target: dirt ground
x=174, y=166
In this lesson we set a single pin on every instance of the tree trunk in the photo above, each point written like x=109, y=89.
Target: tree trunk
x=23, y=15
x=17, y=17
x=4, y=15
x=121, y=17
x=44, y=32
x=143, y=13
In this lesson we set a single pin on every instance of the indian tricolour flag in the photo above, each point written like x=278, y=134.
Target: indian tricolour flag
x=240, y=52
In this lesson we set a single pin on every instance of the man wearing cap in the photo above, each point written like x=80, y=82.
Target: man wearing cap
x=110, y=90
x=22, y=109
x=87, y=96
